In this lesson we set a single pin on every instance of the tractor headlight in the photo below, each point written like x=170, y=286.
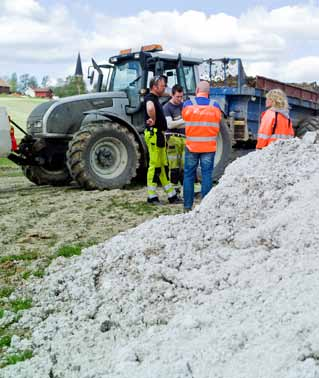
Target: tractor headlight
x=35, y=125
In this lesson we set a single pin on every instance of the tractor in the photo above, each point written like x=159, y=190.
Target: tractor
x=97, y=138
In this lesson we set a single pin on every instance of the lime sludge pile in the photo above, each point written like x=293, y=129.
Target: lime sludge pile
x=229, y=290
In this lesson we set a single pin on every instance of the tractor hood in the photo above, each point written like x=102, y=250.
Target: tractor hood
x=63, y=117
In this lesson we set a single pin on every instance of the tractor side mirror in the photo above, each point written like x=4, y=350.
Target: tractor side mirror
x=91, y=74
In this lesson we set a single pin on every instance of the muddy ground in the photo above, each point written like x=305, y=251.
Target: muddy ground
x=39, y=223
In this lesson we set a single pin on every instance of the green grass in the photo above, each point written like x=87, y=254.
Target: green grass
x=6, y=163
x=20, y=304
x=15, y=358
x=28, y=256
x=9, y=169
x=6, y=291
x=69, y=250
x=25, y=275
x=19, y=109
x=38, y=273
x=5, y=341
x=1, y=313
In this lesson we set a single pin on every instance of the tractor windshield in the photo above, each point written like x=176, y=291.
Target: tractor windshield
x=126, y=75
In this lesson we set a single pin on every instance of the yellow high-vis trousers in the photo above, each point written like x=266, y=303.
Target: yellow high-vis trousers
x=157, y=172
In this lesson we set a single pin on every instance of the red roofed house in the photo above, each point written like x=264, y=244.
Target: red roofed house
x=43, y=92
x=4, y=87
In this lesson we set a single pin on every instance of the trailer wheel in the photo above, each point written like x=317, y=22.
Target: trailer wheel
x=103, y=156
x=224, y=150
x=40, y=175
x=308, y=124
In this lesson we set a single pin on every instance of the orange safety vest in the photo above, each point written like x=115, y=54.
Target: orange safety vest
x=201, y=126
x=273, y=126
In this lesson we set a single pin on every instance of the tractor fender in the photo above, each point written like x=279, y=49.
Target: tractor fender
x=100, y=116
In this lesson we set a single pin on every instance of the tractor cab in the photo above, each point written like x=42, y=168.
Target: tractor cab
x=131, y=71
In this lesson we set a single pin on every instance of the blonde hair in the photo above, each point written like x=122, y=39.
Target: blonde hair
x=278, y=99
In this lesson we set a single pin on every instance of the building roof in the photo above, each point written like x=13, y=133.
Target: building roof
x=4, y=84
x=42, y=90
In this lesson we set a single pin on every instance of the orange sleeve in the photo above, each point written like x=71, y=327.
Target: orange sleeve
x=265, y=128
x=267, y=122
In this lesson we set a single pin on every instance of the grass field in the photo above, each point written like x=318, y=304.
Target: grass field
x=19, y=109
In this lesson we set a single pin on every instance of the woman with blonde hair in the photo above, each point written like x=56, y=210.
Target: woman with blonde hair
x=275, y=122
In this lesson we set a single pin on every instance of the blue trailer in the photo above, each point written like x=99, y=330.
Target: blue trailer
x=243, y=99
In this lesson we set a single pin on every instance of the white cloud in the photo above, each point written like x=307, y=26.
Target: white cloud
x=273, y=43
x=21, y=7
x=298, y=70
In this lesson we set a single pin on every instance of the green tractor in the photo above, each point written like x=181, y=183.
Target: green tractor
x=97, y=139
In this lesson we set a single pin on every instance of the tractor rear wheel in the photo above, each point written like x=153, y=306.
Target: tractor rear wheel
x=103, y=156
x=308, y=124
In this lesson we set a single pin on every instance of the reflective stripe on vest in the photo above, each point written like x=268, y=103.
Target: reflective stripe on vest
x=205, y=124
x=201, y=139
x=274, y=136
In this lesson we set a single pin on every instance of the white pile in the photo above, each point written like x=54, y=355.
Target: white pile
x=230, y=290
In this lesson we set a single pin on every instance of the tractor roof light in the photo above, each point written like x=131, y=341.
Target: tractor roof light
x=152, y=48
x=125, y=52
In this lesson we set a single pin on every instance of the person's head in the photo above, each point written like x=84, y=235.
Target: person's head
x=157, y=85
x=276, y=98
x=177, y=94
x=202, y=88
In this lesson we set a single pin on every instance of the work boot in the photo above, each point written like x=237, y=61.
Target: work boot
x=187, y=209
x=154, y=201
x=174, y=200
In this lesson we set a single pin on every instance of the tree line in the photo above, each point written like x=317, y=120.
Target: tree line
x=69, y=86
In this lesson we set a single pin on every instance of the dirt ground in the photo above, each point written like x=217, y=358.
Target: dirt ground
x=38, y=223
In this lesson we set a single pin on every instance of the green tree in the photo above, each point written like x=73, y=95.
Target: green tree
x=33, y=82
x=13, y=82
x=72, y=86
x=23, y=82
x=45, y=81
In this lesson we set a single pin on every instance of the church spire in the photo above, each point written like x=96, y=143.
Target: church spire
x=78, y=69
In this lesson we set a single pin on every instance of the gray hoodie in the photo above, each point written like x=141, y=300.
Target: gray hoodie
x=284, y=112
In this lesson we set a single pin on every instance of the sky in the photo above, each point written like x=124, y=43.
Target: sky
x=277, y=39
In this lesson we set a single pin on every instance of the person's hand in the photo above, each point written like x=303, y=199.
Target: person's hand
x=150, y=122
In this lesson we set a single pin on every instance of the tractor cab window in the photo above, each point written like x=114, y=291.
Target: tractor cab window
x=127, y=76
x=190, y=79
x=170, y=74
x=187, y=78
x=171, y=77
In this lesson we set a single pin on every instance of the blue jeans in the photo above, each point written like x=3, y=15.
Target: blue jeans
x=192, y=159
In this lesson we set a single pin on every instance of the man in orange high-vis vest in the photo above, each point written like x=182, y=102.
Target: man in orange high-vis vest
x=275, y=122
x=202, y=119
